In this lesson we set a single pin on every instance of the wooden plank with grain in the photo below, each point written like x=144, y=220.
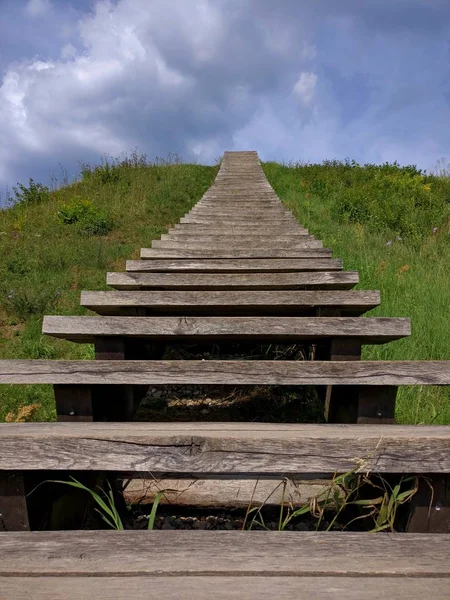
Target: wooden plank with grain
x=237, y=281
x=226, y=372
x=372, y=330
x=269, y=244
x=244, y=587
x=354, y=302
x=247, y=449
x=235, y=253
x=251, y=265
x=226, y=553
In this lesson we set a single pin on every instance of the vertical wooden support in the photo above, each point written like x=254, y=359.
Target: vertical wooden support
x=13, y=502
x=341, y=402
x=376, y=404
x=353, y=403
x=73, y=402
x=112, y=402
x=430, y=506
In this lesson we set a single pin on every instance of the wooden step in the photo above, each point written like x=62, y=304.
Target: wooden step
x=235, y=253
x=373, y=330
x=247, y=449
x=220, y=240
x=251, y=234
x=237, y=281
x=221, y=229
x=257, y=565
x=224, y=372
x=252, y=265
x=111, y=302
x=238, y=220
x=269, y=244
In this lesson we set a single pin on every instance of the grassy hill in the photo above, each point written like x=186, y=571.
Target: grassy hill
x=391, y=224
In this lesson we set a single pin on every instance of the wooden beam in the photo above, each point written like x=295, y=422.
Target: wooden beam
x=261, y=587
x=371, y=330
x=247, y=449
x=13, y=502
x=225, y=553
x=235, y=253
x=227, y=372
x=252, y=265
x=222, y=245
x=237, y=281
x=268, y=302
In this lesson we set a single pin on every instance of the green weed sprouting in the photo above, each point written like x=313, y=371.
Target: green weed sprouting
x=106, y=506
x=344, y=491
x=88, y=219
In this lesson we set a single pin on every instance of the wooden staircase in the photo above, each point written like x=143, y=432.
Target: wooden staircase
x=237, y=267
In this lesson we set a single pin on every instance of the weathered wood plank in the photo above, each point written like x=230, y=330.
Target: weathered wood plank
x=238, y=281
x=222, y=245
x=185, y=553
x=354, y=302
x=13, y=502
x=227, y=372
x=258, y=240
x=224, y=587
x=220, y=229
x=223, y=493
x=238, y=220
x=235, y=253
x=248, y=449
x=371, y=330
x=251, y=265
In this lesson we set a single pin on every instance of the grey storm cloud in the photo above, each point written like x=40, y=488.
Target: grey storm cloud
x=294, y=80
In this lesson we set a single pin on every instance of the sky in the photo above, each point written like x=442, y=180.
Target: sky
x=296, y=80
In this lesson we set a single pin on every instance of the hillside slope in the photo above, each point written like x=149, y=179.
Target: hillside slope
x=391, y=224
x=52, y=245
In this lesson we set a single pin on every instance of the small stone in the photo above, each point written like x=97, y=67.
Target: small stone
x=205, y=411
x=167, y=525
x=228, y=526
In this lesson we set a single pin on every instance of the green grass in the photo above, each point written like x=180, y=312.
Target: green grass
x=53, y=244
x=45, y=261
x=359, y=212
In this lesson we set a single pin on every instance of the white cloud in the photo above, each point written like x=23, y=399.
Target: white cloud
x=305, y=88
x=198, y=77
x=37, y=8
x=179, y=80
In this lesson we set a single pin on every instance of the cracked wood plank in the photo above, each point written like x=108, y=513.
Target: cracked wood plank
x=247, y=449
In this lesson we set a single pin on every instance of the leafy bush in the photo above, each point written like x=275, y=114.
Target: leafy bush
x=88, y=219
x=35, y=193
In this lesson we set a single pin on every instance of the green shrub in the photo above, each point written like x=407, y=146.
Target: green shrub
x=35, y=193
x=88, y=219
x=25, y=302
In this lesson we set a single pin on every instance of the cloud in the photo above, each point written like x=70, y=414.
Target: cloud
x=305, y=88
x=37, y=8
x=292, y=80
